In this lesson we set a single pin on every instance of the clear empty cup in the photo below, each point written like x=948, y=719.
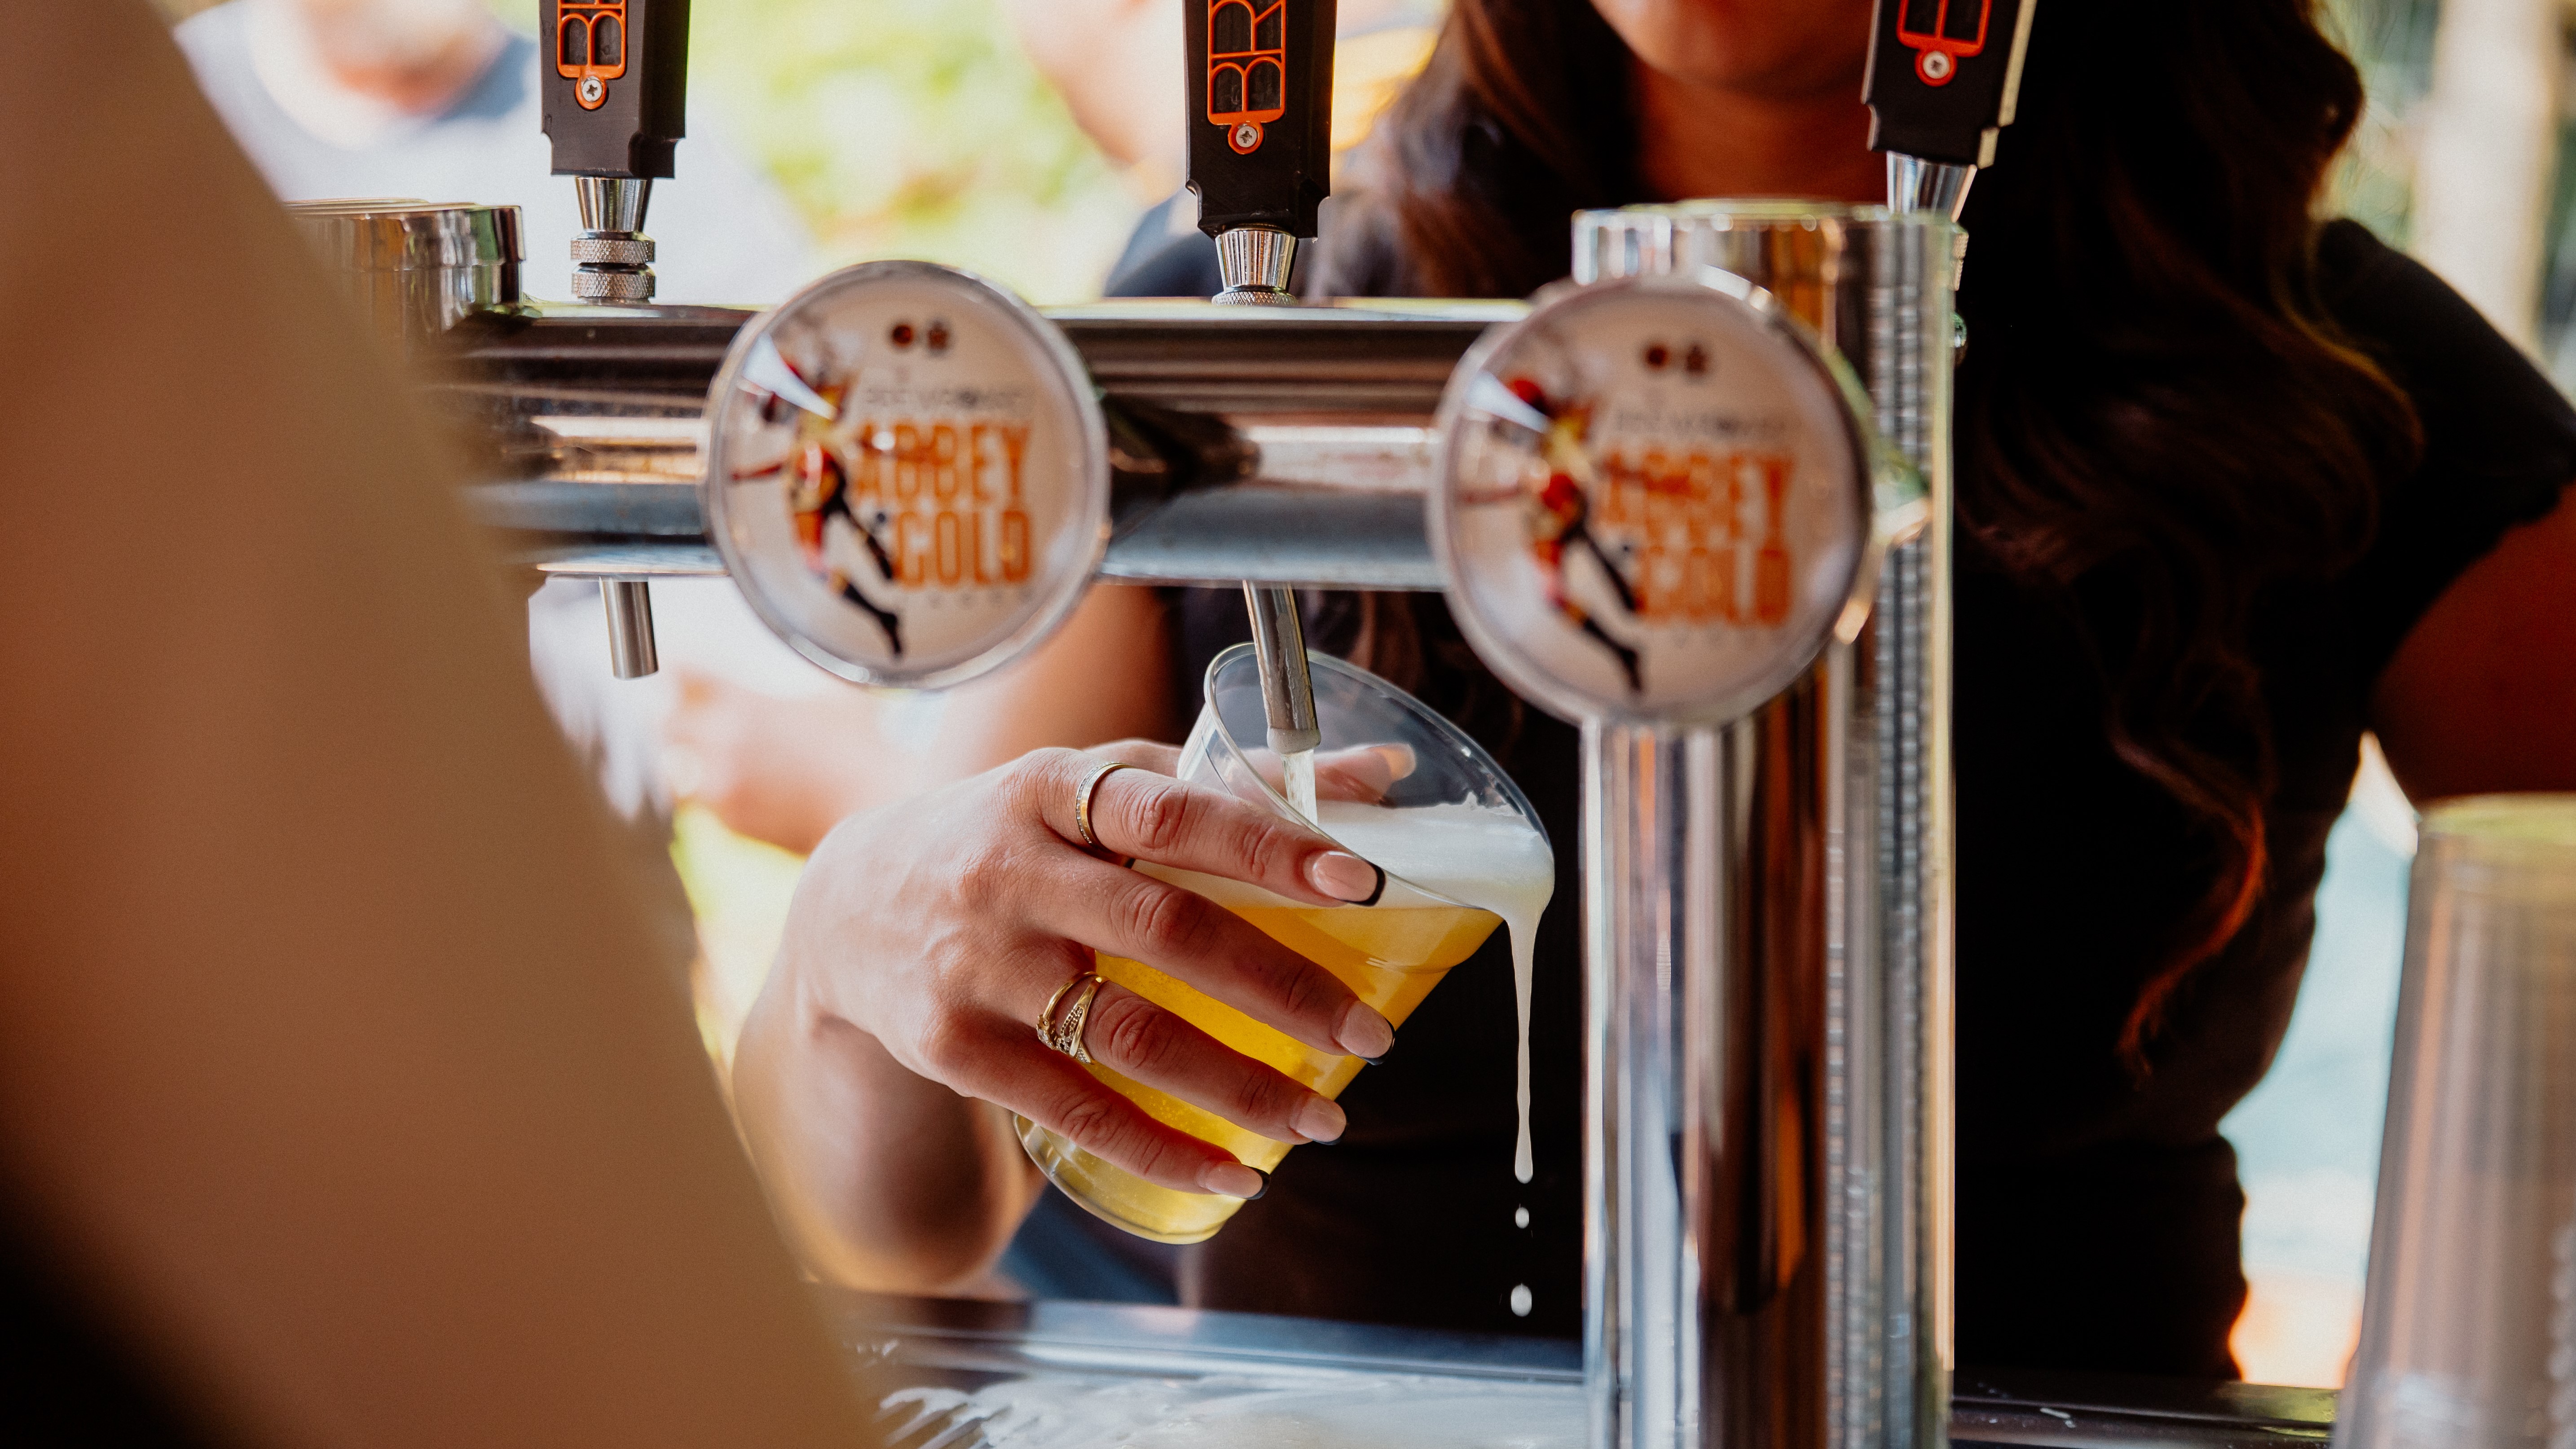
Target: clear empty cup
x=2468, y=1336
x=1396, y=785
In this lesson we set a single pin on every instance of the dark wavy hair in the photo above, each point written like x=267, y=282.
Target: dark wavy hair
x=2157, y=422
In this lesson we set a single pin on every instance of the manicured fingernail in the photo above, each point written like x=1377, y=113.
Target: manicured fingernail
x=1346, y=877
x=1233, y=1179
x=1320, y=1120
x=1363, y=1033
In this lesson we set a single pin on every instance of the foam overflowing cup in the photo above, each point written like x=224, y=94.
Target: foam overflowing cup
x=1396, y=785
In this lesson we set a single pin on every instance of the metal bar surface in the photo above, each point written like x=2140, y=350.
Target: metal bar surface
x=1269, y=533
x=966, y=1344
x=1284, y=449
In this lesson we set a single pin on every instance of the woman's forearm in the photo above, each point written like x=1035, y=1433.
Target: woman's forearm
x=881, y=1179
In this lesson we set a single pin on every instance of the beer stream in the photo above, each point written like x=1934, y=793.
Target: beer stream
x=1297, y=767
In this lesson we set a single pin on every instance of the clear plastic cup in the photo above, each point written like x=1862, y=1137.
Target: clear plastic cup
x=1398, y=786
x=2468, y=1335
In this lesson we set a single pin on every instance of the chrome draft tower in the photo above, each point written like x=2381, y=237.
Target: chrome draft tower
x=1767, y=831
x=1699, y=499
x=1767, y=974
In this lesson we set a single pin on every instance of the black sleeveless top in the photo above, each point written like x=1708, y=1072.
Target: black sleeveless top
x=2097, y=1214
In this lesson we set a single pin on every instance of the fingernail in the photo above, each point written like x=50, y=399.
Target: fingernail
x=1363, y=1033
x=1319, y=1119
x=1346, y=877
x=1233, y=1179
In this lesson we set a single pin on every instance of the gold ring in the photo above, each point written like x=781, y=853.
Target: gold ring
x=1064, y=1033
x=1046, y=1018
x=1082, y=794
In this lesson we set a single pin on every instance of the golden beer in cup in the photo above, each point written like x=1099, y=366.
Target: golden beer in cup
x=1462, y=850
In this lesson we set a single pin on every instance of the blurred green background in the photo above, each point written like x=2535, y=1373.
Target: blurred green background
x=911, y=128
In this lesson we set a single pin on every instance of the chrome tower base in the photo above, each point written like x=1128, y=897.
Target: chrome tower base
x=1768, y=946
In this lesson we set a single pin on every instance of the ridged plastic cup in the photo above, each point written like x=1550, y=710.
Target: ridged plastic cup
x=2468, y=1336
x=1391, y=953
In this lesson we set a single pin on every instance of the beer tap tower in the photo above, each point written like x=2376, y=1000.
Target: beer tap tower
x=1697, y=498
x=615, y=105
x=1767, y=823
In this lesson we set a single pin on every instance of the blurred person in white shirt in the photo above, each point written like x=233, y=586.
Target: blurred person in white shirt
x=437, y=99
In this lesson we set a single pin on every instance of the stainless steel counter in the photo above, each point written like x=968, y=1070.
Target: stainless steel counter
x=1054, y=1375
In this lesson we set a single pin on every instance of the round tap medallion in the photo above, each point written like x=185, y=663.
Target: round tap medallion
x=1653, y=499
x=907, y=474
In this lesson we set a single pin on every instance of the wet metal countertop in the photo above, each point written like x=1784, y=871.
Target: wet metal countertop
x=1059, y=1375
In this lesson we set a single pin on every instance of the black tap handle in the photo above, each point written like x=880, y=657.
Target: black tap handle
x=1943, y=76
x=616, y=79
x=1261, y=112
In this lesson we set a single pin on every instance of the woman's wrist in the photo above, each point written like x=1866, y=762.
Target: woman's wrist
x=808, y=974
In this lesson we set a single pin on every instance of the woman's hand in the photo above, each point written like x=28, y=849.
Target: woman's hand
x=941, y=928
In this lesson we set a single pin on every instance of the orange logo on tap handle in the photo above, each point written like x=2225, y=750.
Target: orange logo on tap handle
x=1941, y=33
x=590, y=47
x=1247, y=69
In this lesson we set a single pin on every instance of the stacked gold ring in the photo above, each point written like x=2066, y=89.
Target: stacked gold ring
x=1064, y=1033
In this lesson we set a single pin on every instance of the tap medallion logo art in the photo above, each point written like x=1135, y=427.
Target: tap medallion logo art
x=590, y=47
x=1247, y=68
x=1653, y=502
x=907, y=473
x=1941, y=33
